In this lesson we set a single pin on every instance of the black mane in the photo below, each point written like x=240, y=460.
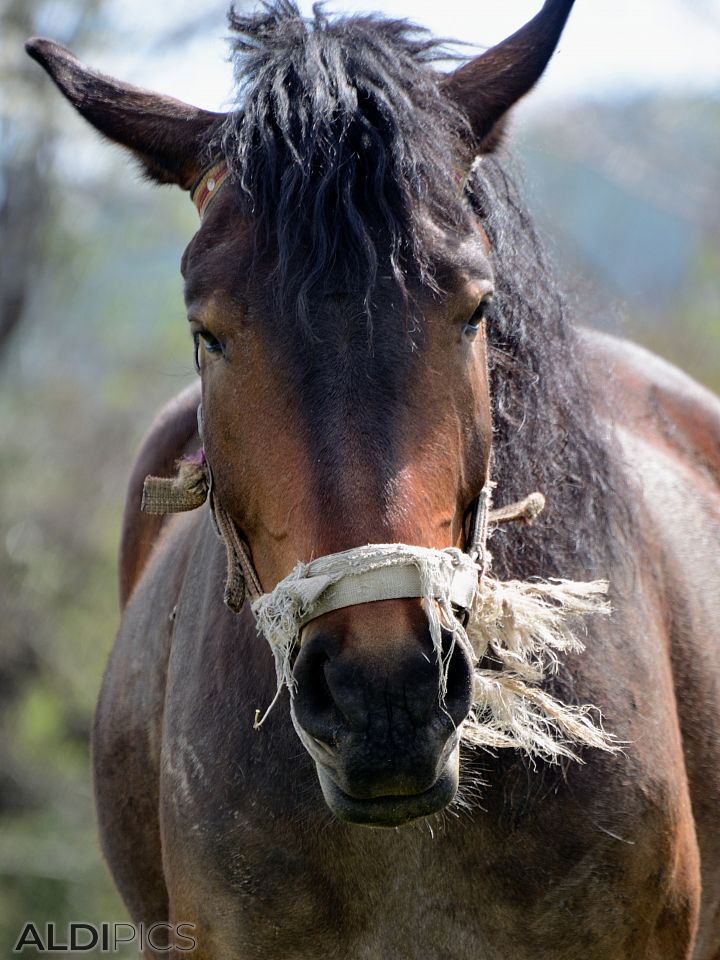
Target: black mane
x=548, y=434
x=341, y=142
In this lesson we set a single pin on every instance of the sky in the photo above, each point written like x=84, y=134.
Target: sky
x=609, y=48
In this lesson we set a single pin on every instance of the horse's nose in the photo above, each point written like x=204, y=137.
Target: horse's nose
x=345, y=685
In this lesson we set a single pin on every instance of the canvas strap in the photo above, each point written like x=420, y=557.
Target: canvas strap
x=192, y=486
x=389, y=583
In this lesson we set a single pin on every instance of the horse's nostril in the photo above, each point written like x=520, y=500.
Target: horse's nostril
x=319, y=696
x=458, y=679
x=343, y=689
x=313, y=704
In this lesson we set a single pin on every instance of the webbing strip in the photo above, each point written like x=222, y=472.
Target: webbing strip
x=388, y=583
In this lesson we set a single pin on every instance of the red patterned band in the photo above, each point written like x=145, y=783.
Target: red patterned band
x=208, y=186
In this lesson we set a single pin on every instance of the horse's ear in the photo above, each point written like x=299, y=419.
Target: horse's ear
x=167, y=136
x=488, y=86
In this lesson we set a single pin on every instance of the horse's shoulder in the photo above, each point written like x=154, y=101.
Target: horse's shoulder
x=172, y=434
x=657, y=403
x=129, y=721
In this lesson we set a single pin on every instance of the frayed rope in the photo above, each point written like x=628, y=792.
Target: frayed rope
x=523, y=628
x=518, y=629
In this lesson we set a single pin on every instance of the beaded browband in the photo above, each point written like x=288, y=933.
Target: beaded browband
x=207, y=187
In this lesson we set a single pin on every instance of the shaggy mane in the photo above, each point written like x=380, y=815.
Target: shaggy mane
x=548, y=433
x=341, y=142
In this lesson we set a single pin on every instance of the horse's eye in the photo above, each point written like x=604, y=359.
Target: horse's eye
x=211, y=344
x=472, y=326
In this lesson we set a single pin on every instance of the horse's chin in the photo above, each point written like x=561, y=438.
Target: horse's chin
x=395, y=810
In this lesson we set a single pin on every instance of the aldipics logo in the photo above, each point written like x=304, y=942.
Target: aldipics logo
x=105, y=938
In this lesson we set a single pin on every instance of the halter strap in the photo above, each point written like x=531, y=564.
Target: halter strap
x=207, y=186
x=193, y=485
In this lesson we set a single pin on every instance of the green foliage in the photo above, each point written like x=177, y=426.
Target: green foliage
x=690, y=333
x=104, y=346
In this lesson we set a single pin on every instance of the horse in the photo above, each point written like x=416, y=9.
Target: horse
x=380, y=337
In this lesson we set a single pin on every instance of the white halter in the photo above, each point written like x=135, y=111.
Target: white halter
x=446, y=580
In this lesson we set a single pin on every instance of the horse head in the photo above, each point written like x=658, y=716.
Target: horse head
x=337, y=292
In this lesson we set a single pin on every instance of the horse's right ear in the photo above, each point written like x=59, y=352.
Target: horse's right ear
x=168, y=137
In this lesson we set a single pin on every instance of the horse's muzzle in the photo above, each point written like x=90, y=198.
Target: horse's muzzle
x=381, y=721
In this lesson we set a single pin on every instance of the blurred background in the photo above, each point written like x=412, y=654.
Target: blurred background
x=620, y=152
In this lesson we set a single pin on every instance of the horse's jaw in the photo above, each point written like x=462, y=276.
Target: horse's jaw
x=392, y=811
x=379, y=808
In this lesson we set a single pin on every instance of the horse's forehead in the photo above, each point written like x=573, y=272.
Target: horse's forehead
x=221, y=258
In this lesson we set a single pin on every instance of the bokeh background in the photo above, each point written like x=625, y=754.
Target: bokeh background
x=620, y=152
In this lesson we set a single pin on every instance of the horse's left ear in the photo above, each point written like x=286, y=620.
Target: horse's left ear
x=488, y=86
x=167, y=136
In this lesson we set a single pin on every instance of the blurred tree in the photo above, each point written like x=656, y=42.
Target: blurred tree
x=86, y=360
x=28, y=137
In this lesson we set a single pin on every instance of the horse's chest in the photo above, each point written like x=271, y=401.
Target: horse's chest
x=283, y=880
x=254, y=858
x=370, y=899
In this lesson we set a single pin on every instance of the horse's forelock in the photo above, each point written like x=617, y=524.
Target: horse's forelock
x=342, y=144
